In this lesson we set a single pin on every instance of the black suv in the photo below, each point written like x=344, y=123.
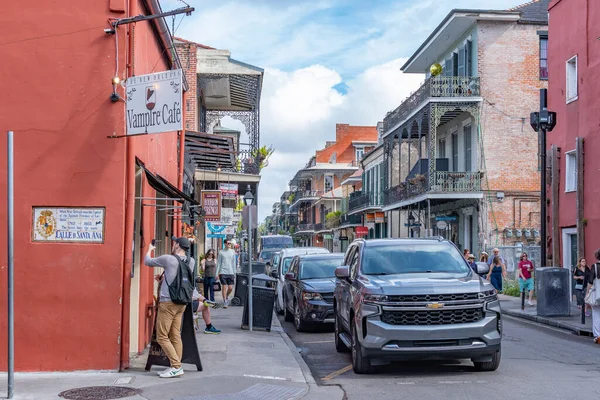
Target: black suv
x=308, y=289
x=399, y=299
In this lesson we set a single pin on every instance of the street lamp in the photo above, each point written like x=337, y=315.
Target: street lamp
x=541, y=122
x=248, y=199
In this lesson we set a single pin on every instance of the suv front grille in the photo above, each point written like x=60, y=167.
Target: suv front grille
x=433, y=297
x=434, y=317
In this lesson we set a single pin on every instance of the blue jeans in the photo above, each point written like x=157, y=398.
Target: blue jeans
x=209, y=288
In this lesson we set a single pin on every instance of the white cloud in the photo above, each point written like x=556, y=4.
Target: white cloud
x=300, y=109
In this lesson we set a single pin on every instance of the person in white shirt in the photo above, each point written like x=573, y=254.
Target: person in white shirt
x=226, y=264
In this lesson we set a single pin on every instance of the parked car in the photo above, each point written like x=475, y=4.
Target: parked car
x=414, y=299
x=273, y=261
x=308, y=289
x=265, y=255
x=279, y=270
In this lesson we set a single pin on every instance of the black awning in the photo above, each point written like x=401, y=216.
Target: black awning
x=165, y=187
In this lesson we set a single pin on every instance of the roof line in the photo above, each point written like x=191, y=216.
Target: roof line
x=194, y=43
x=450, y=15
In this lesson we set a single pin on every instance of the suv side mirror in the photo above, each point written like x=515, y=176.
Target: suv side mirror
x=342, y=272
x=290, y=276
x=482, y=268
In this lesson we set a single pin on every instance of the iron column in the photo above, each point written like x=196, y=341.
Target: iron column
x=11, y=264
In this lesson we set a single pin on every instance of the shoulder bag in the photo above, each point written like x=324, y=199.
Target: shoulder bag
x=592, y=297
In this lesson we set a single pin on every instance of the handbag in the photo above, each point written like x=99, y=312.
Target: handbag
x=217, y=286
x=592, y=298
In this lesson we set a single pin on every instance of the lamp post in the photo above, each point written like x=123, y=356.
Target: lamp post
x=411, y=221
x=542, y=122
x=248, y=199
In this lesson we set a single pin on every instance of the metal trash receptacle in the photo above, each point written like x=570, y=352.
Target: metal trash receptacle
x=241, y=289
x=263, y=301
x=258, y=267
x=552, y=289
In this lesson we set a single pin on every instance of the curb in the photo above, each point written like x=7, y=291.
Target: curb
x=581, y=331
x=308, y=376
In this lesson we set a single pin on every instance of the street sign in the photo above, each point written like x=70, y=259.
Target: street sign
x=154, y=103
x=254, y=211
x=216, y=235
x=446, y=218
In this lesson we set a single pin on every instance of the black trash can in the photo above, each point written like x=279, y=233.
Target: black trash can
x=263, y=301
x=241, y=289
x=553, y=291
x=258, y=267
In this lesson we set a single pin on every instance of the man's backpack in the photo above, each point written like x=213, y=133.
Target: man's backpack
x=182, y=287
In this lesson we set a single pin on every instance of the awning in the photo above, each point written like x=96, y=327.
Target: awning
x=163, y=186
x=210, y=151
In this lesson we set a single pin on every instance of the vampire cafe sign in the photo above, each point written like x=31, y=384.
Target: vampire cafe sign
x=154, y=103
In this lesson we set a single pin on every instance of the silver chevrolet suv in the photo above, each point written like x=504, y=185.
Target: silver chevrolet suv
x=414, y=299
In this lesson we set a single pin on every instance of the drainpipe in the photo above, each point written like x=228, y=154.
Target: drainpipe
x=179, y=222
x=129, y=215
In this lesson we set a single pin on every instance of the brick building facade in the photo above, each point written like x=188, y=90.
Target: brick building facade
x=472, y=173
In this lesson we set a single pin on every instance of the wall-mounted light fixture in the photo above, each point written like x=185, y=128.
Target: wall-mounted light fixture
x=500, y=196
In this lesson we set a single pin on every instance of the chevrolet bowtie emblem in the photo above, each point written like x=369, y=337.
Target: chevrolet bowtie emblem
x=435, y=305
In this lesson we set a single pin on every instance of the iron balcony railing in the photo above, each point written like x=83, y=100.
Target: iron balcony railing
x=305, y=194
x=438, y=86
x=305, y=227
x=319, y=227
x=443, y=182
x=353, y=219
x=365, y=200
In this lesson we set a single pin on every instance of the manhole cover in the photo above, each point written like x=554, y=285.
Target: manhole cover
x=99, y=393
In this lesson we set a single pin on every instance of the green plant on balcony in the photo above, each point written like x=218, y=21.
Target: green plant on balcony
x=292, y=230
x=261, y=155
x=291, y=197
x=333, y=219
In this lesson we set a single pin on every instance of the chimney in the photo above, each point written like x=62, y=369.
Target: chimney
x=341, y=130
x=329, y=143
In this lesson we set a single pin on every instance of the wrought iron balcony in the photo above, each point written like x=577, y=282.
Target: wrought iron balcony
x=365, y=200
x=354, y=219
x=443, y=182
x=299, y=195
x=305, y=227
x=438, y=86
x=319, y=227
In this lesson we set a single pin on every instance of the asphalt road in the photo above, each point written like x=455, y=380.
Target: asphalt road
x=538, y=362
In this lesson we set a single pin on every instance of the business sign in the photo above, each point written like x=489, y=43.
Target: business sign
x=370, y=217
x=229, y=190
x=211, y=204
x=154, y=103
x=361, y=230
x=379, y=217
x=68, y=224
x=226, y=216
x=237, y=217
x=446, y=218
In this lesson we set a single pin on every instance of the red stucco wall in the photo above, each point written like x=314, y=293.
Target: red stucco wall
x=572, y=32
x=56, y=73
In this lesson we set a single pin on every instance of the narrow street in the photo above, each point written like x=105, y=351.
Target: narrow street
x=537, y=362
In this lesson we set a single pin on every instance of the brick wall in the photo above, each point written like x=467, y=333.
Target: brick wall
x=509, y=68
x=188, y=54
x=343, y=148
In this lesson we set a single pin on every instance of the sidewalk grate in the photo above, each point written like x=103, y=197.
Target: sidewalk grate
x=99, y=393
x=259, y=391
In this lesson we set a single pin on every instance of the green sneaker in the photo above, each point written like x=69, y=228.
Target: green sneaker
x=212, y=330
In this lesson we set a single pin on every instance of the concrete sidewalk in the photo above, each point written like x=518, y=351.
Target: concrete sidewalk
x=512, y=306
x=238, y=364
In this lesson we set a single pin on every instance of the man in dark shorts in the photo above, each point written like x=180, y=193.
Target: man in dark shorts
x=226, y=271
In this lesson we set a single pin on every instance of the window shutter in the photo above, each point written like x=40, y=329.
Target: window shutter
x=454, y=64
x=469, y=58
x=461, y=61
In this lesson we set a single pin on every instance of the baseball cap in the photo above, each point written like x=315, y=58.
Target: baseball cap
x=183, y=242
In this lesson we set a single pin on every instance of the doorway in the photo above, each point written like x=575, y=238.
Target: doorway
x=569, y=250
x=134, y=298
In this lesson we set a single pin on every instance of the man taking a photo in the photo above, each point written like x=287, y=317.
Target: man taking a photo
x=170, y=313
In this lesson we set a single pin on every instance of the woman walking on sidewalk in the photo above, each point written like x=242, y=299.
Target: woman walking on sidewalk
x=579, y=275
x=497, y=272
x=594, y=284
x=209, y=267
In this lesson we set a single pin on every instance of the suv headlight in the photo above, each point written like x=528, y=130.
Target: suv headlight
x=489, y=295
x=375, y=298
x=311, y=296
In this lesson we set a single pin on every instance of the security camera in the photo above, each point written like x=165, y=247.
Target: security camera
x=109, y=31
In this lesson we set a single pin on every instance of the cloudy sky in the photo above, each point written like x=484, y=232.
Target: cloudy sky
x=325, y=62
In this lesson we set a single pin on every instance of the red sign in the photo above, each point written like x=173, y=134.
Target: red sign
x=361, y=230
x=211, y=204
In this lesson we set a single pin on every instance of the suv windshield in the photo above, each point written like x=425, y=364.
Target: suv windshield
x=413, y=258
x=324, y=268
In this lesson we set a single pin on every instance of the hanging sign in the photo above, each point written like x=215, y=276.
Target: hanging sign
x=154, y=103
x=211, y=204
x=68, y=224
x=229, y=190
x=379, y=217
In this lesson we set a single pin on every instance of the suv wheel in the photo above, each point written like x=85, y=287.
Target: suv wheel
x=489, y=365
x=360, y=363
x=337, y=330
x=287, y=316
x=298, y=323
